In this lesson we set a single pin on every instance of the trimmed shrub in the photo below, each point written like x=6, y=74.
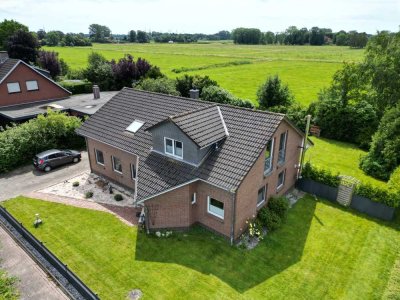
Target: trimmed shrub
x=77, y=86
x=216, y=94
x=75, y=183
x=269, y=219
x=394, y=182
x=159, y=85
x=381, y=195
x=320, y=175
x=118, y=197
x=88, y=194
x=20, y=143
x=279, y=205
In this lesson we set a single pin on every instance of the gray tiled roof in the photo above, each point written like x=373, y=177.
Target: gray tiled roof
x=7, y=66
x=249, y=131
x=205, y=126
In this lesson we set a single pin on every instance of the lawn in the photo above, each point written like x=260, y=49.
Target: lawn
x=322, y=251
x=306, y=69
x=339, y=157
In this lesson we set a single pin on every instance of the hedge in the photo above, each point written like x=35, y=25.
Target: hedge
x=20, y=143
x=386, y=196
x=77, y=86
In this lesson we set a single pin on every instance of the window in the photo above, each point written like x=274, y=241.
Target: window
x=281, y=179
x=215, y=207
x=135, y=126
x=173, y=147
x=32, y=85
x=13, y=87
x=194, y=196
x=261, y=196
x=99, y=157
x=282, y=148
x=133, y=171
x=117, y=167
x=269, y=157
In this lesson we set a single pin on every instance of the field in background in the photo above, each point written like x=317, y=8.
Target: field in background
x=238, y=68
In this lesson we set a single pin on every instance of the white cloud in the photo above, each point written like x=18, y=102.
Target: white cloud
x=206, y=16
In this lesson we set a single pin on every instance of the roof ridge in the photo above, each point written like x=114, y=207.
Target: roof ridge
x=209, y=102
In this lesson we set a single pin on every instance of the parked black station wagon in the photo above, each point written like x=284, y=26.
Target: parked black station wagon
x=47, y=160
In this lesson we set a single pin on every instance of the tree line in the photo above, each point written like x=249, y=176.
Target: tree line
x=295, y=36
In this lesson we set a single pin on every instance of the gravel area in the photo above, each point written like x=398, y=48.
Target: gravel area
x=90, y=183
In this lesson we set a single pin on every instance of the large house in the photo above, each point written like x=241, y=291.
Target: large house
x=190, y=161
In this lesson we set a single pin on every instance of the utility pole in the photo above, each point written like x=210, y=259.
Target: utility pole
x=303, y=151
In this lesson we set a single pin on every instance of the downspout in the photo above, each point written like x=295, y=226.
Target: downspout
x=233, y=217
x=88, y=152
x=303, y=150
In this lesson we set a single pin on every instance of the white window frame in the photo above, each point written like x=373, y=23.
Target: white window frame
x=194, y=198
x=133, y=167
x=97, y=158
x=266, y=172
x=135, y=126
x=113, y=164
x=173, y=147
x=214, y=213
x=264, y=196
x=283, y=149
x=10, y=84
x=31, y=89
x=283, y=181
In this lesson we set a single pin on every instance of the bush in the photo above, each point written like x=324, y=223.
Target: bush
x=269, y=219
x=220, y=95
x=382, y=195
x=279, y=205
x=118, y=197
x=320, y=175
x=19, y=143
x=187, y=82
x=88, y=194
x=159, y=85
x=77, y=86
x=75, y=183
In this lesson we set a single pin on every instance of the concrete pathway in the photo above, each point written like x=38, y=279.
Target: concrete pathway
x=27, y=179
x=33, y=282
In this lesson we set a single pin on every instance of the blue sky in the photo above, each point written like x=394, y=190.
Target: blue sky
x=207, y=16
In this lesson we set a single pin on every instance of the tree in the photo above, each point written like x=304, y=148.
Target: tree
x=341, y=39
x=160, y=85
x=142, y=37
x=99, y=71
x=23, y=45
x=126, y=70
x=248, y=36
x=41, y=34
x=274, y=93
x=317, y=36
x=357, y=40
x=53, y=38
x=99, y=33
x=384, y=154
x=49, y=61
x=7, y=29
x=217, y=94
x=132, y=36
x=187, y=82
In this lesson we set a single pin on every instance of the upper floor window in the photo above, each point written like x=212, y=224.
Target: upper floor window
x=117, y=166
x=269, y=156
x=13, y=87
x=99, y=157
x=32, y=85
x=133, y=171
x=282, y=148
x=173, y=147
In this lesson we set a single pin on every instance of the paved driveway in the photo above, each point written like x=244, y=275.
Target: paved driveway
x=26, y=179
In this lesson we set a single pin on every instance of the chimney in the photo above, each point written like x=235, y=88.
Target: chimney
x=96, y=92
x=194, y=94
x=3, y=56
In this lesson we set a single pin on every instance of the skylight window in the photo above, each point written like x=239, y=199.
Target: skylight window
x=135, y=126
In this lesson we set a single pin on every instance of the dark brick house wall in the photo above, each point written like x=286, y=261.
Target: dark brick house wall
x=22, y=73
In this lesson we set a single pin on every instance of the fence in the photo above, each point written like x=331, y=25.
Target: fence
x=72, y=279
x=361, y=204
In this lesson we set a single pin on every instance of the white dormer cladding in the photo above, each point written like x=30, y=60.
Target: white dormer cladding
x=134, y=126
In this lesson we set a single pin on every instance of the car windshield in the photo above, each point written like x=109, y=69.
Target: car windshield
x=68, y=151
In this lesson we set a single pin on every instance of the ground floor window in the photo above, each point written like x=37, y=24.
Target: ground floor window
x=215, y=207
x=117, y=166
x=99, y=157
x=281, y=179
x=261, y=195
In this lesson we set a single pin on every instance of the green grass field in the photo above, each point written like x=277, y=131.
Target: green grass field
x=339, y=157
x=322, y=251
x=306, y=69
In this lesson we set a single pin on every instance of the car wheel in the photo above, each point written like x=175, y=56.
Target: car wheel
x=47, y=168
x=75, y=160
